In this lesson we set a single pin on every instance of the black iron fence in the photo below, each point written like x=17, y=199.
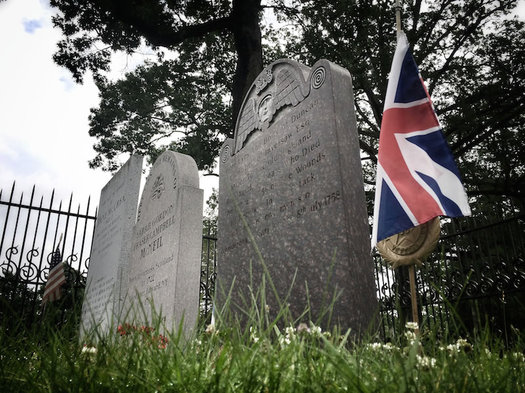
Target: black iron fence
x=31, y=230
x=475, y=276
x=208, y=275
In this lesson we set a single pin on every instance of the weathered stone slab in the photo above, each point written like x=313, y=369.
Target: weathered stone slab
x=110, y=250
x=294, y=173
x=166, y=245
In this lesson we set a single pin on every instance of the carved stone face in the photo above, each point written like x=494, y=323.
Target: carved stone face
x=264, y=111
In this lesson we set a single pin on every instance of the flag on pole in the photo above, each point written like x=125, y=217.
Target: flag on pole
x=55, y=279
x=417, y=178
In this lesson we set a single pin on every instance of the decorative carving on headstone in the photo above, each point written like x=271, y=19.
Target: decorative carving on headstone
x=318, y=77
x=158, y=187
x=263, y=103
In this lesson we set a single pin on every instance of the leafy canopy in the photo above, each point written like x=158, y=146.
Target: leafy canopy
x=213, y=53
x=469, y=52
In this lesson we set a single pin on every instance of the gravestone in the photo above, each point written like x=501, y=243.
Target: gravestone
x=164, y=269
x=110, y=248
x=292, y=179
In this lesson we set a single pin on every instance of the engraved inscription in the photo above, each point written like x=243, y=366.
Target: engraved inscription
x=148, y=235
x=168, y=159
x=296, y=158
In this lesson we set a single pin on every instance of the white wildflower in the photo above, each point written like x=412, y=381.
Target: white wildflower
x=316, y=330
x=303, y=328
x=462, y=343
x=210, y=329
x=290, y=331
x=412, y=325
x=253, y=336
x=425, y=362
x=410, y=336
x=380, y=346
x=375, y=346
x=86, y=349
x=389, y=346
x=518, y=356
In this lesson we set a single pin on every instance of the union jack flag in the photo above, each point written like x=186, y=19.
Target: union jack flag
x=417, y=178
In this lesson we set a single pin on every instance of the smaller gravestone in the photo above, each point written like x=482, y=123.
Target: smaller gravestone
x=110, y=249
x=164, y=270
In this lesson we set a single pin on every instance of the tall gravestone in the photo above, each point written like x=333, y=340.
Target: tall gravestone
x=110, y=248
x=292, y=178
x=164, y=269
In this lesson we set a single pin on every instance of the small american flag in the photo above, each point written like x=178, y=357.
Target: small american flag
x=55, y=279
x=417, y=178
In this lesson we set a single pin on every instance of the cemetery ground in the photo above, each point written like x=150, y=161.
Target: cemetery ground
x=264, y=356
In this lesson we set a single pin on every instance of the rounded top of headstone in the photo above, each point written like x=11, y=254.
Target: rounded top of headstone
x=181, y=166
x=170, y=171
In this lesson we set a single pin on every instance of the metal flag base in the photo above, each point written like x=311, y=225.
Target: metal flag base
x=410, y=248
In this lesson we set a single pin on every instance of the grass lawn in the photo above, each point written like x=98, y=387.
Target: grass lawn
x=263, y=358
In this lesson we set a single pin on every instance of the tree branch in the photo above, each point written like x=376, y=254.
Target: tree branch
x=158, y=27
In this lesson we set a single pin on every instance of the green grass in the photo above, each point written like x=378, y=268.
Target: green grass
x=261, y=358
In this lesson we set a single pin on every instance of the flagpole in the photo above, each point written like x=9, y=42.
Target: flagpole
x=411, y=268
x=398, y=15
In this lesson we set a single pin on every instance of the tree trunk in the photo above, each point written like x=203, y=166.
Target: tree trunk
x=247, y=37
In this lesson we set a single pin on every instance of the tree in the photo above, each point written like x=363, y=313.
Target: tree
x=185, y=27
x=184, y=96
x=469, y=59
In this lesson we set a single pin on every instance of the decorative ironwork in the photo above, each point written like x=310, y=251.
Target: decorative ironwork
x=475, y=263
x=31, y=234
x=29, y=272
x=482, y=263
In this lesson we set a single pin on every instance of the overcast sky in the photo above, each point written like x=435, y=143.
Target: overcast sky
x=43, y=114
